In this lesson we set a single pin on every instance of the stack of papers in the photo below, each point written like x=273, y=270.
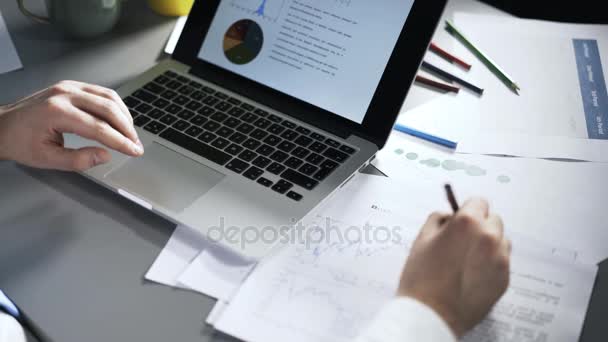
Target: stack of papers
x=562, y=108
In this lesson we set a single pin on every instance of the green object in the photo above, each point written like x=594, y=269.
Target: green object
x=496, y=70
x=79, y=18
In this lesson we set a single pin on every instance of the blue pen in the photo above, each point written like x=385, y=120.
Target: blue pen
x=425, y=136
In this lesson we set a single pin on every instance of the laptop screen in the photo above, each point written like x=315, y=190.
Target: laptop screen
x=329, y=53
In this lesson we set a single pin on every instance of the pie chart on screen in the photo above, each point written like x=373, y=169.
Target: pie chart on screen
x=243, y=41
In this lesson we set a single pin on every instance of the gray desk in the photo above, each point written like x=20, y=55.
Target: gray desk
x=72, y=254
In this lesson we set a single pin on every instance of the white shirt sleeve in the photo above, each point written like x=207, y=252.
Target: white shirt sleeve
x=10, y=330
x=405, y=319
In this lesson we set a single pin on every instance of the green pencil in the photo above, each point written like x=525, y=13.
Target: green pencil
x=496, y=70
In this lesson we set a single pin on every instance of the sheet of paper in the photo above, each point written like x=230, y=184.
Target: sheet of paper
x=183, y=246
x=216, y=272
x=216, y=312
x=328, y=287
x=546, y=200
x=174, y=37
x=9, y=60
x=561, y=70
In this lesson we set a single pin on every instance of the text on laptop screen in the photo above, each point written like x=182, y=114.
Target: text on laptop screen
x=329, y=53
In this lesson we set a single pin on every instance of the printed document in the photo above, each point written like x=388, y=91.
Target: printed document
x=9, y=60
x=329, y=287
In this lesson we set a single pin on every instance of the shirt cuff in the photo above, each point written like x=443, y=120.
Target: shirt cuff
x=406, y=319
x=10, y=330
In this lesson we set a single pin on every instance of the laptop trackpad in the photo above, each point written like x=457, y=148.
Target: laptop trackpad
x=165, y=177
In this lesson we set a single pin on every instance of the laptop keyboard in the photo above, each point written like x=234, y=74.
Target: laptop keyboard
x=237, y=135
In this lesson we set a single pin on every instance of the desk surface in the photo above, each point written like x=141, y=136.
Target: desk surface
x=73, y=254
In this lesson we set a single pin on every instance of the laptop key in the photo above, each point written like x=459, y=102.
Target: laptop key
x=260, y=112
x=208, y=90
x=186, y=90
x=303, y=141
x=173, y=109
x=220, y=143
x=183, y=79
x=207, y=137
x=221, y=95
x=336, y=155
x=317, y=147
x=156, y=113
x=327, y=167
x=195, y=85
x=286, y=146
x=289, y=135
x=211, y=126
x=252, y=144
x=347, y=149
x=174, y=84
x=197, y=95
x=264, y=182
x=210, y=101
x=293, y=162
x=196, y=146
x=194, y=105
x=168, y=119
x=223, y=106
x=279, y=156
x=154, y=88
x=294, y=196
x=308, y=169
x=144, y=95
x=186, y=114
x=141, y=120
x=262, y=123
x=317, y=136
x=253, y=173
x=276, y=129
x=219, y=117
x=206, y=111
x=272, y=140
x=198, y=120
x=144, y=108
x=154, y=127
x=245, y=128
x=169, y=95
x=314, y=159
x=261, y=162
x=224, y=132
x=181, y=100
x=181, y=125
x=236, y=112
x=234, y=101
x=232, y=122
x=248, y=117
x=265, y=150
x=276, y=168
x=274, y=118
x=248, y=155
x=234, y=149
x=299, y=179
x=194, y=131
x=161, y=103
x=237, y=165
x=303, y=130
x=131, y=102
x=289, y=124
x=247, y=106
x=300, y=152
x=237, y=138
x=282, y=186
x=332, y=143
x=258, y=134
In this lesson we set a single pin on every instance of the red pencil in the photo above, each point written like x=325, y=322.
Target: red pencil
x=441, y=52
x=435, y=84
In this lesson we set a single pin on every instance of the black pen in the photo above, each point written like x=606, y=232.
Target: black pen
x=451, y=198
x=446, y=75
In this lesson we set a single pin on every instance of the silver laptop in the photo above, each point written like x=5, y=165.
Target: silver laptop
x=265, y=109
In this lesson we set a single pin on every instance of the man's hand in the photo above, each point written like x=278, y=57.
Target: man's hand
x=459, y=265
x=31, y=130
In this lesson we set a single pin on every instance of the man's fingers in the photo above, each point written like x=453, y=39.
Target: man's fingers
x=82, y=159
x=105, y=110
x=434, y=222
x=495, y=225
x=475, y=208
x=108, y=94
x=87, y=126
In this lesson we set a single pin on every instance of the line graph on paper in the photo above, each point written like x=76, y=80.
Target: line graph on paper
x=269, y=10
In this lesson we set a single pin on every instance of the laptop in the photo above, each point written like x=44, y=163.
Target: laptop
x=265, y=109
